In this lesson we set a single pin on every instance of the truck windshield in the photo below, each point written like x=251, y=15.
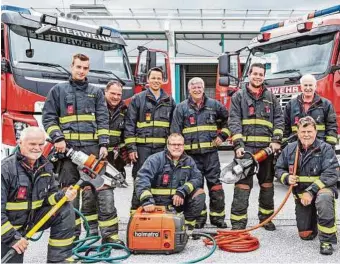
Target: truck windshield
x=57, y=49
x=293, y=57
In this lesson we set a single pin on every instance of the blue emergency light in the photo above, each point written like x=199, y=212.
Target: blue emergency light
x=15, y=9
x=108, y=31
x=317, y=13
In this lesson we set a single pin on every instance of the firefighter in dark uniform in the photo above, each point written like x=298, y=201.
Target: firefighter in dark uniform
x=309, y=103
x=75, y=112
x=28, y=191
x=171, y=178
x=255, y=122
x=198, y=119
x=147, y=124
x=315, y=181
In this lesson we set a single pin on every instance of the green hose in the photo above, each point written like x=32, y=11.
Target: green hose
x=210, y=252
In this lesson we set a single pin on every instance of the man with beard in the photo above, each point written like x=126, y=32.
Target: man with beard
x=28, y=192
x=309, y=103
x=314, y=184
x=255, y=122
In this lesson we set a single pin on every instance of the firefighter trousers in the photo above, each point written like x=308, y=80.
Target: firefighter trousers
x=143, y=154
x=99, y=210
x=242, y=189
x=209, y=165
x=318, y=217
x=61, y=234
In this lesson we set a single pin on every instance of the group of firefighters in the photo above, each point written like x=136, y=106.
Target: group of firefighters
x=173, y=149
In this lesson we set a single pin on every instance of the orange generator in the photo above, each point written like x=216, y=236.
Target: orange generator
x=160, y=231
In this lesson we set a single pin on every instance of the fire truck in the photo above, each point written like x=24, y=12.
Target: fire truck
x=36, y=53
x=289, y=50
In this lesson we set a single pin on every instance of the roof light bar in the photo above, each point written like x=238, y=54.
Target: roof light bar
x=306, y=26
x=263, y=37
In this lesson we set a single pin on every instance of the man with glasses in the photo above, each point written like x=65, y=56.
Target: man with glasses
x=171, y=178
x=309, y=103
x=147, y=124
x=198, y=119
x=315, y=188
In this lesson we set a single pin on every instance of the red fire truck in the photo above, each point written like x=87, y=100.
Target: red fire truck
x=36, y=53
x=289, y=50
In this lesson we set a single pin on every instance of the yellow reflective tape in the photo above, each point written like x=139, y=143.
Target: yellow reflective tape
x=294, y=128
x=45, y=174
x=186, y=167
x=107, y=223
x=327, y=230
x=216, y=213
x=110, y=149
x=121, y=145
x=37, y=204
x=52, y=128
x=16, y=206
x=203, y=212
x=320, y=184
x=318, y=128
x=130, y=140
x=70, y=259
x=237, y=136
x=190, y=186
x=115, y=133
x=257, y=122
x=199, y=145
x=226, y=130
x=16, y=227
x=6, y=227
x=166, y=191
x=145, y=194
x=238, y=217
x=198, y=129
x=283, y=177
x=257, y=139
x=331, y=139
x=51, y=199
x=91, y=217
x=76, y=118
x=278, y=132
x=265, y=211
x=305, y=179
x=80, y=136
x=61, y=242
x=78, y=221
x=103, y=132
x=132, y=212
x=114, y=237
x=150, y=140
x=192, y=223
x=153, y=123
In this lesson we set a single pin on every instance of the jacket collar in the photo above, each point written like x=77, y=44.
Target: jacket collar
x=82, y=85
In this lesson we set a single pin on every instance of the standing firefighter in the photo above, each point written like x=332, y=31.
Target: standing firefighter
x=75, y=112
x=256, y=122
x=198, y=118
x=314, y=187
x=147, y=124
x=171, y=178
x=309, y=103
x=28, y=191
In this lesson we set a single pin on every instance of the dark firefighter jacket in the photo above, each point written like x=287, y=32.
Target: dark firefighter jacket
x=148, y=120
x=199, y=126
x=159, y=179
x=76, y=111
x=321, y=110
x=117, y=124
x=23, y=191
x=317, y=167
x=255, y=122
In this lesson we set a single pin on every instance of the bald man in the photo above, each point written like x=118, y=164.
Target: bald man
x=28, y=191
x=309, y=103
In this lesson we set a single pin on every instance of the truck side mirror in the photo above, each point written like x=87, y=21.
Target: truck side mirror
x=151, y=59
x=224, y=81
x=224, y=65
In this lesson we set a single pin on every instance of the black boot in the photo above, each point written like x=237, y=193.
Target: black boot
x=326, y=248
x=220, y=224
x=115, y=241
x=270, y=226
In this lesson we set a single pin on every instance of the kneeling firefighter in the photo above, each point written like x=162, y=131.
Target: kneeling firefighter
x=171, y=178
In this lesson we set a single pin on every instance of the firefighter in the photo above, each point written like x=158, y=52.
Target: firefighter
x=147, y=124
x=28, y=191
x=315, y=188
x=171, y=178
x=198, y=118
x=75, y=113
x=255, y=122
x=309, y=103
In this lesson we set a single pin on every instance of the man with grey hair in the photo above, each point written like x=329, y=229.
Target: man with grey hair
x=28, y=191
x=309, y=103
x=203, y=123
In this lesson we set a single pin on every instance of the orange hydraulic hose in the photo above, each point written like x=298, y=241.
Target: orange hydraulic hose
x=242, y=240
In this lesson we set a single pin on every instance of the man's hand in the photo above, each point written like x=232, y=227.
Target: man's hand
x=292, y=180
x=177, y=200
x=103, y=152
x=21, y=245
x=71, y=193
x=217, y=141
x=306, y=198
x=149, y=208
x=60, y=146
x=133, y=156
x=275, y=146
x=240, y=152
